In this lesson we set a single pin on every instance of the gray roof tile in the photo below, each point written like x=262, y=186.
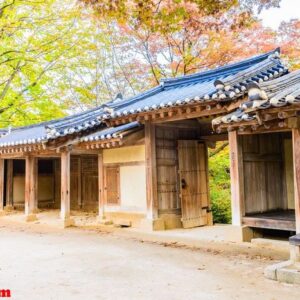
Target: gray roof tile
x=280, y=92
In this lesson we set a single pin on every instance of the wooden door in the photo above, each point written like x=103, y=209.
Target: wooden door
x=89, y=182
x=112, y=185
x=192, y=159
x=167, y=171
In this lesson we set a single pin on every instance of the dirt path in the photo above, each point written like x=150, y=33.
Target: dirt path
x=37, y=262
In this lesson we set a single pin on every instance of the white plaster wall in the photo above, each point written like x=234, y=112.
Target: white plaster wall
x=133, y=187
x=124, y=154
x=18, y=189
x=45, y=188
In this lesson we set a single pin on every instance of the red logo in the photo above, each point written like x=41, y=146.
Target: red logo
x=5, y=293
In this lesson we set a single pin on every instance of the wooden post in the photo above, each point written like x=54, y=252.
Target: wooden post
x=65, y=185
x=31, y=179
x=236, y=178
x=296, y=161
x=1, y=184
x=100, y=186
x=79, y=199
x=151, y=172
x=9, y=184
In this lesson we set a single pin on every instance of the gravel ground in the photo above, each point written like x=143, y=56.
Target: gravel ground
x=40, y=262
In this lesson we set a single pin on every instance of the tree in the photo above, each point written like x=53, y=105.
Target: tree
x=161, y=16
x=174, y=37
x=167, y=16
x=207, y=43
x=289, y=39
x=55, y=60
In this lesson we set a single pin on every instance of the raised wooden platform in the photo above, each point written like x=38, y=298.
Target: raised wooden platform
x=280, y=220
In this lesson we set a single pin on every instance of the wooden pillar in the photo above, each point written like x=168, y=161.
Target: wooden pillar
x=236, y=178
x=151, y=171
x=79, y=182
x=65, y=185
x=100, y=185
x=31, y=185
x=9, y=184
x=1, y=184
x=296, y=161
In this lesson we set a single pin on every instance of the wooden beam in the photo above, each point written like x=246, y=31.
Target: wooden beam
x=151, y=171
x=1, y=184
x=236, y=178
x=65, y=185
x=263, y=129
x=186, y=111
x=296, y=160
x=9, y=184
x=194, y=114
x=186, y=124
x=293, y=122
x=31, y=186
x=269, y=223
x=100, y=186
x=215, y=137
x=22, y=155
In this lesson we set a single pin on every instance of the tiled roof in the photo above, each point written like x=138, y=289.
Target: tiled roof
x=43, y=132
x=221, y=84
x=111, y=132
x=280, y=92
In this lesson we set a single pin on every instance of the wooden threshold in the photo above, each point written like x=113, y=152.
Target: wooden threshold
x=277, y=221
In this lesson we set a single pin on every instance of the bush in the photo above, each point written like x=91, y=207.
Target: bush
x=219, y=183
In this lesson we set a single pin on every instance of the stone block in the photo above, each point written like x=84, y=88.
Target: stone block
x=236, y=233
x=8, y=208
x=294, y=253
x=103, y=221
x=289, y=274
x=295, y=240
x=123, y=223
x=67, y=222
x=270, y=272
x=31, y=218
x=152, y=225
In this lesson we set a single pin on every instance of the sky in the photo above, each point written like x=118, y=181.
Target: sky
x=289, y=9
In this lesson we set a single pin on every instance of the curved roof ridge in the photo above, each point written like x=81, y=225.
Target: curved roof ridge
x=247, y=73
x=212, y=72
x=280, y=80
x=140, y=96
x=50, y=122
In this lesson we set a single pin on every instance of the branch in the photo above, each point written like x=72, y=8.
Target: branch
x=218, y=150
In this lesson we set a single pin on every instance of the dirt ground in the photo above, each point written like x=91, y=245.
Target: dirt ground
x=40, y=262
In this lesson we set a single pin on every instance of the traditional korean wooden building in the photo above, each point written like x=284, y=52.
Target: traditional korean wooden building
x=264, y=140
x=143, y=160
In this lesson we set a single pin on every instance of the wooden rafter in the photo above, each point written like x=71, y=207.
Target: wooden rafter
x=177, y=113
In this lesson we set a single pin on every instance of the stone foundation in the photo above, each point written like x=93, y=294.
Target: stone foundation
x=287, y=271
x=126, y=219
x=152, y=225
x=68, y=222
x=171, y=221
x=31, y=218
x=9, y=208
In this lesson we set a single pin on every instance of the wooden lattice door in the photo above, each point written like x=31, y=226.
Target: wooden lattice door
x=192, y=159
